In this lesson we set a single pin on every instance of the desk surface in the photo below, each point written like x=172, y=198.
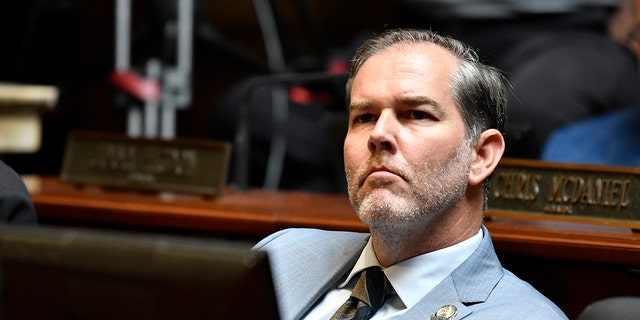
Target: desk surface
x=260, y=212
x=254, y=212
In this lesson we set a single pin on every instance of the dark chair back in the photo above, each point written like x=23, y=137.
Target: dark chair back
x=619, y=308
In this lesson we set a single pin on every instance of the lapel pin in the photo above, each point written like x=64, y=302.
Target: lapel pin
x=447, y=312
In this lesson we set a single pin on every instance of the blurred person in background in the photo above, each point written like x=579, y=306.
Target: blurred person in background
x=16, y=206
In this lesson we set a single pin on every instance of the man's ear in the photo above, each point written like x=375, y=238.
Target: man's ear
x=486, y=155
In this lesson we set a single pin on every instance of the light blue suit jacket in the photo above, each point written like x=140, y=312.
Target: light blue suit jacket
x=306, y=263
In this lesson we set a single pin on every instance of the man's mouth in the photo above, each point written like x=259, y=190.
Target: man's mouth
x=383, y=172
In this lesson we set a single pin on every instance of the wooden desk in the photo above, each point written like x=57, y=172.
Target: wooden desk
x=252, y=213
x=573, y=264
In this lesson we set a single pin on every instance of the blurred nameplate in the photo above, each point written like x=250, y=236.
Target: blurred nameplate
x=186, y=166
x=570, y=192
x=16, y=96
x=20, y=132
x=20, y=108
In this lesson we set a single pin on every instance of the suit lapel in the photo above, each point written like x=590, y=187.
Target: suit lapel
x=444, y=294
x=472, y=282
x=318, y=262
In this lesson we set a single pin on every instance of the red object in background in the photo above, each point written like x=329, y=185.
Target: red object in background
x=304, y=96
x=338, y=66
x=136, y=85
x=301, y=95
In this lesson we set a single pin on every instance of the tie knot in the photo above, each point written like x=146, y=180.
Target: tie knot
x=367, y=297
x=372, y=287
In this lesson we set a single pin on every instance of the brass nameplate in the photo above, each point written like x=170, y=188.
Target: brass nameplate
x=186, y=166
x=570, y=192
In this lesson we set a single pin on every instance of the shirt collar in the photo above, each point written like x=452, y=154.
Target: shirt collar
x=412, y=278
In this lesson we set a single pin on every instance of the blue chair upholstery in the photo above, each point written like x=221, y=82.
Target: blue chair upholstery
x=611, y=139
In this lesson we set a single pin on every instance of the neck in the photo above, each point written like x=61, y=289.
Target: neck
x=401, y=242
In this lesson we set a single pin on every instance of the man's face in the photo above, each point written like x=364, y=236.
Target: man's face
x=406, y=155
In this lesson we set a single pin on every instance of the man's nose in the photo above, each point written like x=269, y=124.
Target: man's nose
x=383, y=135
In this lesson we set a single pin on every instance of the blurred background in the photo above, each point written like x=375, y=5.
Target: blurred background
x=564, y=63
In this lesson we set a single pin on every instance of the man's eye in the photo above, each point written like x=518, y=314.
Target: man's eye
x=418, y=115
x=363, y=118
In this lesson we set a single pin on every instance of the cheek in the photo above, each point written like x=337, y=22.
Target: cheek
x=354, y=151
x=429, y=152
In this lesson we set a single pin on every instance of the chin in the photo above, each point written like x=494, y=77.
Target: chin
x=385, y=209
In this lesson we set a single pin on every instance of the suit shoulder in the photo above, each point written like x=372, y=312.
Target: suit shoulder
x=514, y=297
x=306, y=237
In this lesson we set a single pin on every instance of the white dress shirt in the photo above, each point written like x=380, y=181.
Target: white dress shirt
x=412, y=279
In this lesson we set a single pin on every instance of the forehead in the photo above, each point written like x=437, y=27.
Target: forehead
x=427, y=50
x=425, y=56
x=406, y=70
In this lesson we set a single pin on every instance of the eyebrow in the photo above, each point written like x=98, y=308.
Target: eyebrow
x=359, y=106
x=402, y=101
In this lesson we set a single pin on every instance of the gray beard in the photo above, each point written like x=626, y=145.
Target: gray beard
x=434, y=192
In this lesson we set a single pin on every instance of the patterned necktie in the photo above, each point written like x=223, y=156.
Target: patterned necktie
x=369, y=294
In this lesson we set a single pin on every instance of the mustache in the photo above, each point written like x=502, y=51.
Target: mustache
x=375, y=164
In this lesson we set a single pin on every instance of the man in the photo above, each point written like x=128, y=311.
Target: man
x=425, y=121
x=16, y=206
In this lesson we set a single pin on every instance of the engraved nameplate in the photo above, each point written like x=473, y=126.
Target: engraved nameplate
x=584, y=193
x=188, y=166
